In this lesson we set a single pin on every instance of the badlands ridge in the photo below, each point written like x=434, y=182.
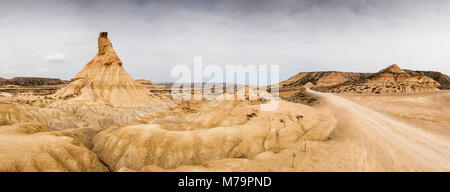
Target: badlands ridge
x=104, y=120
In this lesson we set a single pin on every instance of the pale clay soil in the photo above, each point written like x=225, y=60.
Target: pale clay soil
x=103, y=120
x=392, y=134
x=348, y=132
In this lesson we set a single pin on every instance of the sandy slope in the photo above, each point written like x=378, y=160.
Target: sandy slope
x=31, y=147
x=390, y=145
x=428, y=111
x=347, y=133
x=202, y=139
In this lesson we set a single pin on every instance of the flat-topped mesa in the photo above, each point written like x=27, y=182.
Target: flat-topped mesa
x=104, y=80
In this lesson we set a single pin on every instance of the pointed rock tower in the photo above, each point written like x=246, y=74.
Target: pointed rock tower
x=104, y=81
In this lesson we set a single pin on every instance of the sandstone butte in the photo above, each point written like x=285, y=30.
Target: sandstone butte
x=103, y=80
x=390, y=79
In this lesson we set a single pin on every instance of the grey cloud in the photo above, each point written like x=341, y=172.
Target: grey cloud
x=152, y=36
x=55, y=58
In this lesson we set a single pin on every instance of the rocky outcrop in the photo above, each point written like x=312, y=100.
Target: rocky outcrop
x=242, y=131
x=442, y=79
x=303, y=97
x=319, y=79
x=31, y=81
x=30, y=147
x=145, y=82
x=3, y=81
x=104, y=81
x=390, y=80
x=151, y=85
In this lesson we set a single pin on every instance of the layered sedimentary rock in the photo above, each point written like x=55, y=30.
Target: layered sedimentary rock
x=31, y=81
x=145, y=82
x=31, y=147
x=315, y=79
x=151, y=85
x=2, y=81
x=221, y=129
x=104, y=81
x=390, y=80
x=303, y=97
x=442, y=79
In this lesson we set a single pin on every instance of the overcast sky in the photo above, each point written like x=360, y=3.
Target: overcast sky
x=57, y=38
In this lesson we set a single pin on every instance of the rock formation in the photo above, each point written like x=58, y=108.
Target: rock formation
x=145, y=82
x=151, y=85
x=30, y=147
x=104, y=80
x=442, y=79
x=390, y=80
x=317, y=79
x=220, y=130
x=31, y=81
x=303, y=97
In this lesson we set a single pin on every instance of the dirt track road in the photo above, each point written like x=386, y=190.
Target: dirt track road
x=389, y=144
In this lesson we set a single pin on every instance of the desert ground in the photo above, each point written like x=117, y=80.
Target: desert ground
x=347, y=132
x=104, y=120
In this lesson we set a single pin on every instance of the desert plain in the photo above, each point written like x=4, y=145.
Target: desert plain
x=104, y=120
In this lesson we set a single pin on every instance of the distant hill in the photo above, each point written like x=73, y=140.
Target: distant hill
x=390, y=79
x=151, y=85
x=325, y=78
x=442, y=79
x=145, y=82
x=31, y=81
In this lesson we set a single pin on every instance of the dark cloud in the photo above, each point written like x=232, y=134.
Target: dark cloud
x=152, y=36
